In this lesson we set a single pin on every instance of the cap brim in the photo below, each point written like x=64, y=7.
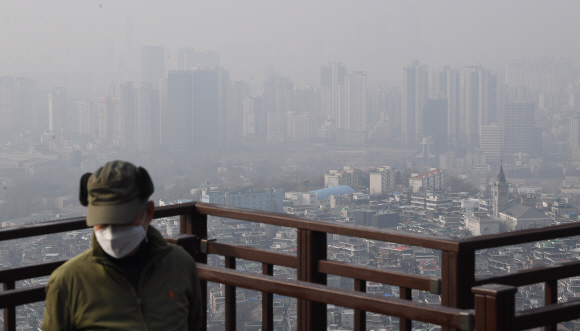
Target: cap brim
x=113, y=214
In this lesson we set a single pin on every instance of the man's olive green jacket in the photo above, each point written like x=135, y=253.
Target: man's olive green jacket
x=89, y=292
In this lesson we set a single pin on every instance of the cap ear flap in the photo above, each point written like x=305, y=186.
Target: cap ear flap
x=145, y=183
x=83, y=191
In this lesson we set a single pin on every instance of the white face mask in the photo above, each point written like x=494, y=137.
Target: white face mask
x=120, y=240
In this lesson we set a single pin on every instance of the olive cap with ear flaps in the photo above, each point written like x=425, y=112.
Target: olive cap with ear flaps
x=115, y=193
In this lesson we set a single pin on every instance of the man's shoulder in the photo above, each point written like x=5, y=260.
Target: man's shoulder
x=74, y=267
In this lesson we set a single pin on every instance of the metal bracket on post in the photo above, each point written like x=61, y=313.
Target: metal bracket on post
x=435, y=286
x=203, y=245
x=467, y=320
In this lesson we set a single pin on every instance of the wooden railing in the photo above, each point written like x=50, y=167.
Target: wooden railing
x=460, y=291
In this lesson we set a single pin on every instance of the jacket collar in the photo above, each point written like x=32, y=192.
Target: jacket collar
x=155, y=243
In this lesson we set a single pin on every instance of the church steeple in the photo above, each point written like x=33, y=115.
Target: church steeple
x=500, y=194
x=500, y=175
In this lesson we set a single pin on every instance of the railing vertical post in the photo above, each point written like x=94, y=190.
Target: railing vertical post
x=407, y=294
x=360, y=316
x=9, y=313
x=196, y=224
x=457, y=279
x=311, y=249
x=267, y=302
x=494, y=307
x=230, y=298
x=551, y=298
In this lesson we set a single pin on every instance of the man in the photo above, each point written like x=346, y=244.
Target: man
x=130, y=279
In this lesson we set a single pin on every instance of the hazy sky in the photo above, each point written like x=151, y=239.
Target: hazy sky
x=379, y=37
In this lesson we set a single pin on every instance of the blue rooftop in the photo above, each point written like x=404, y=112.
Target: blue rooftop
x=335, y=190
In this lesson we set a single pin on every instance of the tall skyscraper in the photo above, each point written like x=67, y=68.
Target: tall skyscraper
x=148, y=118
x=58, y=116
x=490, y=142
x=197, y=104
x=518, y=128
x=109, y=116
x=185, y=57
x=128, y=115
x=152, y=65
x=435, y=124
x=476, y=110
x=331, y=76
x=179, y=110
x=446, y=86
x=355, y=108
x=7, y=101
x=81, y=109
x=415, y=89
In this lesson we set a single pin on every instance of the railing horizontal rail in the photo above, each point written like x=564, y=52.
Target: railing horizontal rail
x=22, y=296
x=373, y=274
x=547, y=315
x=44, y=228
x=361, y=231
x=535, y=275
x=445, y=316
x=252, y=254
x=520, y=237
x=29, y=271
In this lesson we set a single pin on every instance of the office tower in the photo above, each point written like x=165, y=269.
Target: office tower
x=152, y=65
x=179, y=110
x=81, y=109
x=355, y=108
x=6, y=104
x=239, y=90
x=128, y=115
x=58, y=116
x=207, y=60
x=249, y=118
x=446, y=86
x=518, y=128
x=197, y=104
x=574, y=133
x=435, y=124
x=24, y=107
x=415, y=89
x=490, y=142
x=476, y=109
x=109, y=116
x=276, y=127
x=147, y=118
x=279, y=94
x=330, y=76
x=210, y=105
x=185, y=57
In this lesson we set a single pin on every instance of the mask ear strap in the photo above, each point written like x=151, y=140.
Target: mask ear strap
x=83, y=191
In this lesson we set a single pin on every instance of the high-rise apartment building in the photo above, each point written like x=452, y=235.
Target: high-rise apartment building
x=446, y=86
x=128, y=115
x=331, y=91
x=435, y=125
x=415, y=89
x=81, y=109
x=185, y=58
x=197, y=104
x=382, y=180
x=476, y=109
x=7, y=102
x=519, y=128
x=148, y=118
x=58, y=116
x=152, y=65
x=490, y=142
x=355, y=108
x=109, y=118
